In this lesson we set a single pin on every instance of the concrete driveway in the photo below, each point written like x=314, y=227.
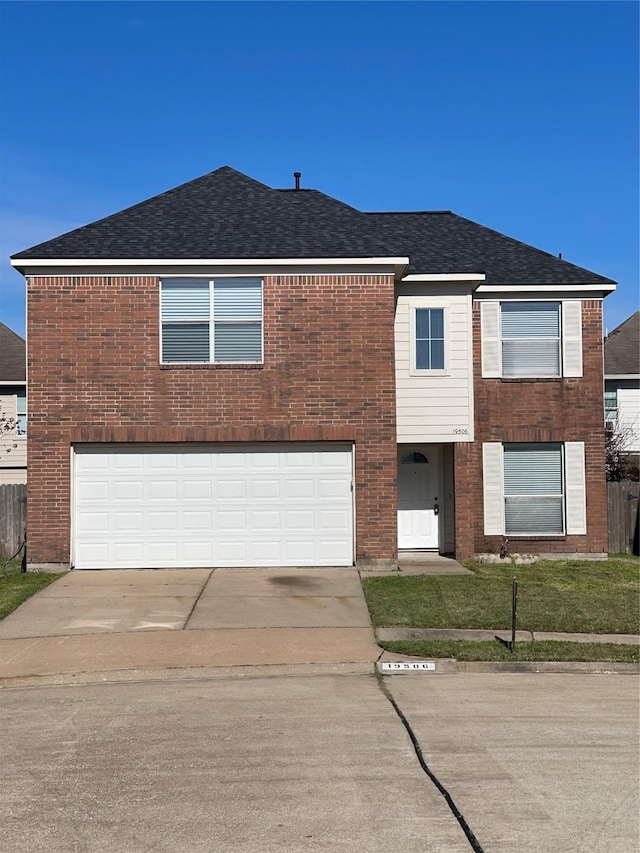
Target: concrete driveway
x=145, y=619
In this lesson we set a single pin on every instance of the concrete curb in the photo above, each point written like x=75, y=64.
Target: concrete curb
x=451, y=666
x=504, y=633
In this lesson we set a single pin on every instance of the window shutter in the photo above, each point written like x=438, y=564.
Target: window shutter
x=492, y=488
x=572, y=338
x=575, y=487
x=490, y=333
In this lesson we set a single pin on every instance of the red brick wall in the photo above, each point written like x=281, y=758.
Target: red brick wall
x=536, y=410
x=94, y=375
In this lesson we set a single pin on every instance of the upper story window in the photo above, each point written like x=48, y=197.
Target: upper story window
x=536, y=339
x=216, y=322
x=530, y=334
x=610, y=406
x=21, y=412
x=429, y=338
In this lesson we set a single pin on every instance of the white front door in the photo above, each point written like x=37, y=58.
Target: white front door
x=417, y=501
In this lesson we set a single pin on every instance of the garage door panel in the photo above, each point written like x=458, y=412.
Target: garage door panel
x=197, y=490
x=128, y=462
x=164, y=521
x=231, y=489
x=128, y=490
x=268, y=489
x=269, y=505
x=162, y=490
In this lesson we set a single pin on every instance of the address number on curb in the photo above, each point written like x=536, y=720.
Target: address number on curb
x=407, y=666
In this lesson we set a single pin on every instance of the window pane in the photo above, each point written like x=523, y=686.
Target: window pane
x=422, y=323
x=531, y=358
x=437, y=322
x=185, y=299
x=437, y=355
x=185, y=342
x=534, y=515
x=423, y=355
x=530, y=319
x=238, y=342
x=532, y=469
x=237, y=299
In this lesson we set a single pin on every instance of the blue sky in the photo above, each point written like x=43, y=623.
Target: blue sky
x=520, y=115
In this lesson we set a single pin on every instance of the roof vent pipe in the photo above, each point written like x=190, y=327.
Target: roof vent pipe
x=297, y=176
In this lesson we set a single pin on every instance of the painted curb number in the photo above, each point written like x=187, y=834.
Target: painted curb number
x=407, y=666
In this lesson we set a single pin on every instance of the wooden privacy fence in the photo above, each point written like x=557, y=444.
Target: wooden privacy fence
x=623, y=498
x=13, y=518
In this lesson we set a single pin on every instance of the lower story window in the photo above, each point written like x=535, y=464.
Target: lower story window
x=533, y=489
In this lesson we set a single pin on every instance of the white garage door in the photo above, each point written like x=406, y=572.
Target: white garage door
x=241, y=505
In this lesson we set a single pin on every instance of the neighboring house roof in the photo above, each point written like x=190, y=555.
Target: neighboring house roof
x=226, y=214
x=622, y=348
x=13, y=359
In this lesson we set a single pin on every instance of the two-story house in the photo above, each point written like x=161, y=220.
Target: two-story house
x=233, y=375
x=622, y=383
x=13, y=407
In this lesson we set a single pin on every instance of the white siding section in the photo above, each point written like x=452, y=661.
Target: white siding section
x=13, y=448
x=629, y=414
x=492, y=488
x=575, y=487
x=572, y=338
x=438, y=406
x=491, y=344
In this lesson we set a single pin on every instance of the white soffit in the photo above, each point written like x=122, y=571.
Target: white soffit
x=448, y=276
x=546, y=288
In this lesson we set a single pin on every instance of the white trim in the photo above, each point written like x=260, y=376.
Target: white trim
x=446, y=276
x=426, y=371
x=141, y=262
x=545, y=288
x=13, y=381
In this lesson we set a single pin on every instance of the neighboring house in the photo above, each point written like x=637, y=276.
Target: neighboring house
x=233, y=375
x=622, y=382
x=13, y=407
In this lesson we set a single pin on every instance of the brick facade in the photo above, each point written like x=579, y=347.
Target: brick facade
x=95, y=376
x=513, y=410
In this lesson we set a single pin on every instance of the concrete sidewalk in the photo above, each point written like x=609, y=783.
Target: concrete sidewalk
x=146, y=619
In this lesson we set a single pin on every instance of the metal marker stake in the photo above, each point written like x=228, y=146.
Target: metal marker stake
x=514, y=612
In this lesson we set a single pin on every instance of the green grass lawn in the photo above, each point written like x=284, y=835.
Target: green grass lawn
x=16, y=588
x=581, y=596
x=494, y=651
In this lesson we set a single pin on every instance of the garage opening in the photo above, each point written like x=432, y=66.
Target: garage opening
x=177, y=506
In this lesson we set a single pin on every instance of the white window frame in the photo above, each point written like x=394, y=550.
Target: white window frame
x=560, y=497
x=414, y=307
x=524, y=341
x=211, y=320
x=570, y=338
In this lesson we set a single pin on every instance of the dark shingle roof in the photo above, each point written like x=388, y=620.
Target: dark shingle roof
x=445, y=242
x=223, y=214
x=622, y=348
x=13, y=360
x=226, y=214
